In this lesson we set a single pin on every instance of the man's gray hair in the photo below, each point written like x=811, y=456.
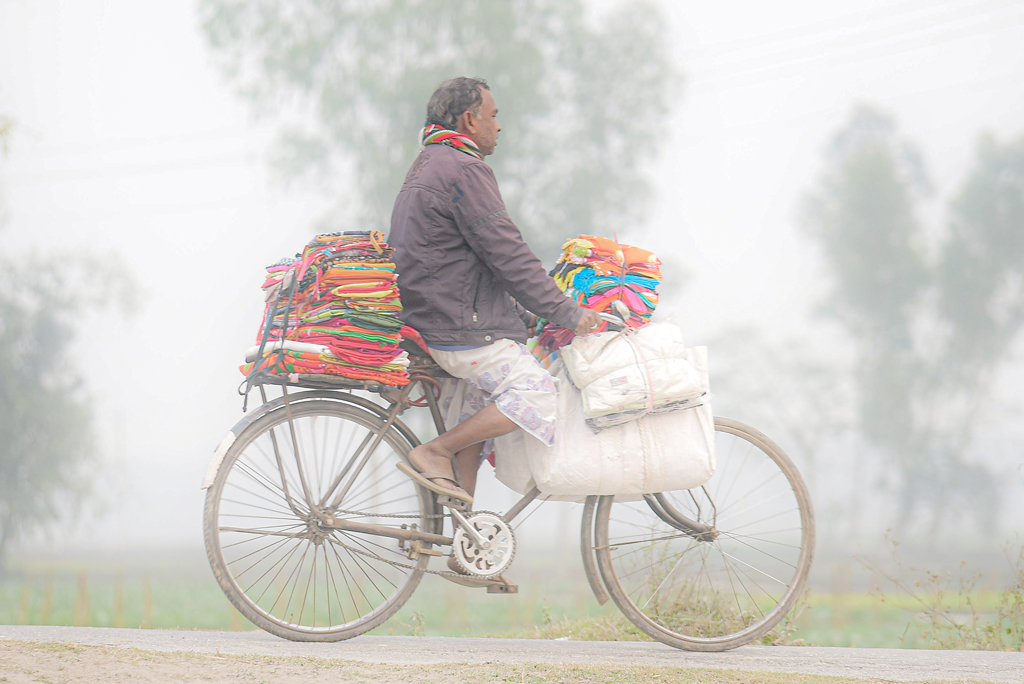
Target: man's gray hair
x=453, y=98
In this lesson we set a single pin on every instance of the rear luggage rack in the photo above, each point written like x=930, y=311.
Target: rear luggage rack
x=319, y=381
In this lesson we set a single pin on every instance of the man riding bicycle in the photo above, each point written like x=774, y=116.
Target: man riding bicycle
x=471, y=286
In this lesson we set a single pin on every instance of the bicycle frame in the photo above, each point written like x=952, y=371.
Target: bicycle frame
x=261, y=447
x=399, y=401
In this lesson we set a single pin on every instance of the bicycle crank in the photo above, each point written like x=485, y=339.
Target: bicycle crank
x=484, y=544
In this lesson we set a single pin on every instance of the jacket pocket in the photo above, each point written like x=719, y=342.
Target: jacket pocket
x=476, y=297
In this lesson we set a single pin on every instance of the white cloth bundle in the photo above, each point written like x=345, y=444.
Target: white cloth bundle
x=658, y=452
x=273, y=345
x=626, y=371
x=402, y=359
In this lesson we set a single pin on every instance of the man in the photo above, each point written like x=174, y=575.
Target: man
x=465, y=274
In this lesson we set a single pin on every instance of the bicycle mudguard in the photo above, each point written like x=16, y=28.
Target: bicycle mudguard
x=225, y=444
x=218, y=457
x=587, y=548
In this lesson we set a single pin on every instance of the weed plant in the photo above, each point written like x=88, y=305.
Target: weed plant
x=945, y=606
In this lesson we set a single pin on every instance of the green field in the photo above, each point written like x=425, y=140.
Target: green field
x=548, y=606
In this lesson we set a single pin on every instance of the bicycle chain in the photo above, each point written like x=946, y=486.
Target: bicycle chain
x=433, y=516
x=398, y=564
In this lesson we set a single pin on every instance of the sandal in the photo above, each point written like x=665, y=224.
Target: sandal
x=428, y=480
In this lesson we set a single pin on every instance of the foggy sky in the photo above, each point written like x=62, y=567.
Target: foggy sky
x=129, y=141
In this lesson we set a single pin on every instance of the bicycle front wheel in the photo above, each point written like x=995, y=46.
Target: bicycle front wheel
x=715, y=567
x=284, y=570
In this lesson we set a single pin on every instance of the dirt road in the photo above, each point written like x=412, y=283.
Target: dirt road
x=867, y=663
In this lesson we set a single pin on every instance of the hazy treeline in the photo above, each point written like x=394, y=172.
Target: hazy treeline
x=932, y=315
x=895, y=411
x=47, y=445
x=351, y=81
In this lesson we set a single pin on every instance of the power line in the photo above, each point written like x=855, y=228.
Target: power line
x=933, y=41
x=828, y=24
x=239, y=159
x=806, y=116
x=134, y=143
x=860, y=27
x=222, y=204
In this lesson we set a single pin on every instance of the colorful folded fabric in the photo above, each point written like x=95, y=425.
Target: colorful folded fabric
x=342, y=317
x=596, y=271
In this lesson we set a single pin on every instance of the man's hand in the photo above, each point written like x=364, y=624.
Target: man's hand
x=531, y=326
x=588, y=322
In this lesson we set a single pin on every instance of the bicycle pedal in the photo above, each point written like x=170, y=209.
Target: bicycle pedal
x=458, y=504
x=417, y=549
x=503, y=588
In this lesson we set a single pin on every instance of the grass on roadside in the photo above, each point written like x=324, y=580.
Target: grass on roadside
x=925, y=611
x=947, y=610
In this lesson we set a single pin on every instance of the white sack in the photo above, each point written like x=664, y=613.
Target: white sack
x=618, y=371
x=669, y=451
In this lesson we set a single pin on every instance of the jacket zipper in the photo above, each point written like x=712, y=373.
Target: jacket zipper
x=476, y=296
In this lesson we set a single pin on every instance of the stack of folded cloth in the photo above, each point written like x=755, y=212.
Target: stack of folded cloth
x=596, y=271
x=341, y=319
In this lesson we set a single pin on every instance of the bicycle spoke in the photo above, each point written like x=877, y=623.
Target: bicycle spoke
x=618, y=543
x=755, y=569
x=305, y=594
x=765, y=540
x=748, y=495
x=261, y=497
x=263, y=531
x=770, y=517
x=273, y=554
x=363, y=542
x=261, y=508
x=283, y=562
x=746, y=590
x=670, y=572
x=355, y=562
x=760, y=550
x=356, y=558
x=278, y=543
x=401, y=483
x=684, y=589
x=337, y=595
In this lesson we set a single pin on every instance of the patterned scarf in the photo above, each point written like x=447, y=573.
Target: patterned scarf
x=434, y=134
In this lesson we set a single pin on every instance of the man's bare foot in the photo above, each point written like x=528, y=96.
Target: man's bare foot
x=434, y=463
x=431, y=458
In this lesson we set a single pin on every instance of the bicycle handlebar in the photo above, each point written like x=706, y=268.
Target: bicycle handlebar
x=613, y=319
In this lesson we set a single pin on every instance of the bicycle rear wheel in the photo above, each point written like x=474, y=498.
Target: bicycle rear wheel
x=730, y=578
x=285, y=571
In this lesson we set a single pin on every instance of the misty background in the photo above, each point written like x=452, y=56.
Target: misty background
x=837, y=192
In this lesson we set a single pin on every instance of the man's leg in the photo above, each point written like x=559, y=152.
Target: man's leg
x=436, y=456
x=467, y=464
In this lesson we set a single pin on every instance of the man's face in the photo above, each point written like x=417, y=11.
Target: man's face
x=484, y=131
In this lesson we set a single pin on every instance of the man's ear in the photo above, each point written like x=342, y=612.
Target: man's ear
x=468, y=122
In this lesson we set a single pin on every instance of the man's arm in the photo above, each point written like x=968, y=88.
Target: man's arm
x=526, y=317
x=482, y=219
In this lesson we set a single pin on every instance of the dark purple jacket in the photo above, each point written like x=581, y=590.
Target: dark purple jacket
x=462, y=263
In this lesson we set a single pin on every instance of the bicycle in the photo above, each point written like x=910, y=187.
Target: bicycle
x=315, y=535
